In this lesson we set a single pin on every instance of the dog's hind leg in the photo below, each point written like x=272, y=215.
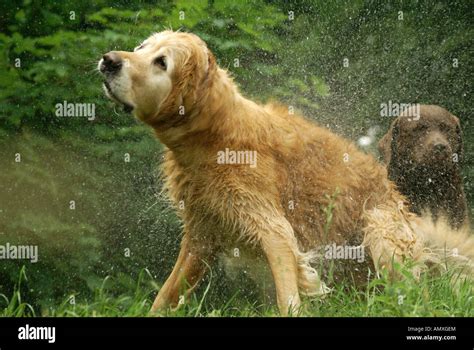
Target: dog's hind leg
x=290, y=267
x=284, y=269
x=187, y=272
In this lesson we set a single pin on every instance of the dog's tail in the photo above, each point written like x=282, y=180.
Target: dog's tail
x=445, y=247
x=394, y=234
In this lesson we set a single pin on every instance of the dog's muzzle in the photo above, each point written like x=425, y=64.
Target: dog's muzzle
x=110, y=65
x=437, y=156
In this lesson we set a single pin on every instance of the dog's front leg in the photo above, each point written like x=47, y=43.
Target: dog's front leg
x=187, y=272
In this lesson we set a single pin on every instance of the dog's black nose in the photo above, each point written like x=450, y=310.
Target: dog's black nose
x=440, y=147
x=111, y=63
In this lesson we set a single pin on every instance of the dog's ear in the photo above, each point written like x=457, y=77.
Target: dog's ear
x=386, y=146
x=211, y=60
x=459, y=150
x=211, y=66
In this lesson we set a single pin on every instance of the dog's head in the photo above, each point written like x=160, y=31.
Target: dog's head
x=160, y=79
x=428, y=137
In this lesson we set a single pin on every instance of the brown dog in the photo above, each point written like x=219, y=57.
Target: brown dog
x=256, y=177
x=423, y=154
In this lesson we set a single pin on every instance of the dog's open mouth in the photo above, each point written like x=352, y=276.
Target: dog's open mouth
x=126, y=106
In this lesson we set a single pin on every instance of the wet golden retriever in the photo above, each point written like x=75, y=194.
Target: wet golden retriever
x=240, y=172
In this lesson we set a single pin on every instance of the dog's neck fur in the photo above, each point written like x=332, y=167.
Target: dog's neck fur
x=213, y=118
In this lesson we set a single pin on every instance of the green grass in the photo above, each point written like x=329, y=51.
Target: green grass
x=430, y=296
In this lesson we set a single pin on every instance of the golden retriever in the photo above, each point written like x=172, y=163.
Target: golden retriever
x=243, y=172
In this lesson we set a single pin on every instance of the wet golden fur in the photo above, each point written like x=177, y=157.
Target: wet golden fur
x=280, y=206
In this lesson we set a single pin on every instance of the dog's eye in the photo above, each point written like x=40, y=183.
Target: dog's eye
x=160, y=62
